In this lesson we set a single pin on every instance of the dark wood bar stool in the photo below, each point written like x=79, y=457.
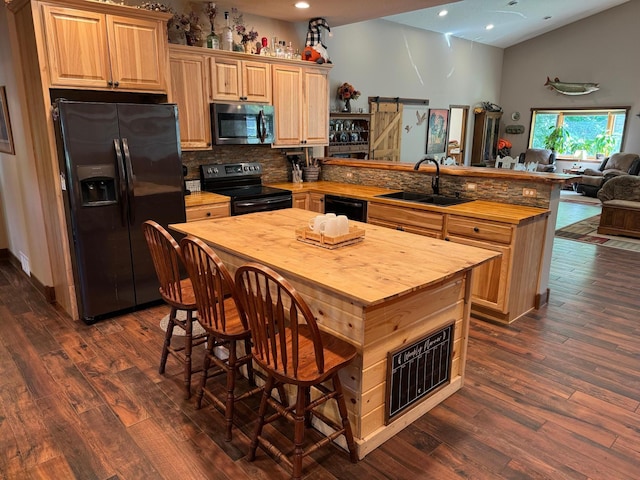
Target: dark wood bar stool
x=178, y=293
x=225, y=323
x=288, y=345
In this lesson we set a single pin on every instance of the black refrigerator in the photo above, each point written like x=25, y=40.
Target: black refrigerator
x=120, y=165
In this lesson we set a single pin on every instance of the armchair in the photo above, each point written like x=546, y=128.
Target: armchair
x=546, y=159
x=613, y=166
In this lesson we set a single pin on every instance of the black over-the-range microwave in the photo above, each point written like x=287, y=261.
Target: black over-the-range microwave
x=242, y=124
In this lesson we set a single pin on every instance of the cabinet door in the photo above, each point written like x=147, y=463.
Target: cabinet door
x=77, y=51
x=226, y=79
x=256, y=82
x=316, y=202
x=138, y=53
x=491, y=280
x=189, y=92
x=300, y=200
x=316, y=107
x=288, y=104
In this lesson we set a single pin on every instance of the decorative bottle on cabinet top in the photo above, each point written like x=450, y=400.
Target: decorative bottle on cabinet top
x=227, y=36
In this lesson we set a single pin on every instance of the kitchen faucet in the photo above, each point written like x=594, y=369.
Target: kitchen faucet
x=435, y=181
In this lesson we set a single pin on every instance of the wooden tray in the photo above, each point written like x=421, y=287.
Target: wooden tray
x=305, y=234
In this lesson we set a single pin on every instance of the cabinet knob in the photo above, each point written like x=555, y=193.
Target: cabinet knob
x=476, y=229
x=116, y=84
x=447, y=239
x=399, y=227
x=110, y=83
x=208, y=214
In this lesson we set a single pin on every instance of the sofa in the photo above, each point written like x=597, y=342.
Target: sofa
x=620, y=197
x=617, y=164
x=546, y=159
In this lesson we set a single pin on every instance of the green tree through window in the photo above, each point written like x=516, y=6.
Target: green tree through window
x=598, y=132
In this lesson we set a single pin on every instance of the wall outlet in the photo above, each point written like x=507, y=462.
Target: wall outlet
x=348, y=175
x=24, y=262
x=471, y=186
x=529, y=192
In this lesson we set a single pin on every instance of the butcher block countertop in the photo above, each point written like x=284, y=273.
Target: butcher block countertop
x=480, y=209
x=198, y=199
x=385, y=265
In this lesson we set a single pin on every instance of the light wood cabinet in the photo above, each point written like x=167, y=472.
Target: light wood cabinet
x=189, y=90
x=300, y=200
x=316, y=202
x=240, y=80
x=485, y=137
x=206, y=212
x=301, y=102
x=89, y=49
x=505, y=287
x=311, y=201
x=407, y=219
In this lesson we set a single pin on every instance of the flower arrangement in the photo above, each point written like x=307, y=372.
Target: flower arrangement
x=504, y=147
x=346, y=91
x=211, y=12
x=238, y=22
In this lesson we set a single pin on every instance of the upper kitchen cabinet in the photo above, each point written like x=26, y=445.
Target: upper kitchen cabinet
x=301, y=102
x=239, y=80
x=103, y=47
x=189, y=82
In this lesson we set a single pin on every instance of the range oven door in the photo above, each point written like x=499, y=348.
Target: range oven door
x=265, y=204
x=242, y=124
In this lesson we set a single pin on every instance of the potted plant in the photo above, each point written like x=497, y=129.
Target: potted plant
x=558, y=140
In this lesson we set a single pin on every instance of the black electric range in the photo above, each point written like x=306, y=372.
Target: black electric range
x=242, y=182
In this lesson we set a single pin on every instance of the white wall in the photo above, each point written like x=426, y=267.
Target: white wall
x=381, y=58
x=598, y=49
x=23, y=226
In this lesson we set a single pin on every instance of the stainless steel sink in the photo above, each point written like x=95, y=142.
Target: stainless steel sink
x=416, y=197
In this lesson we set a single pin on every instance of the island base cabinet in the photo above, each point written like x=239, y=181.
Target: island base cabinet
x=386, y=328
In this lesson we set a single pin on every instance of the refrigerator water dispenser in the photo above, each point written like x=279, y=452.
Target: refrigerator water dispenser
x=97, y=185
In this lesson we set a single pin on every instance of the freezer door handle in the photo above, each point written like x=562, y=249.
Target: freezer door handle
x=122, y=184
x=130, y=190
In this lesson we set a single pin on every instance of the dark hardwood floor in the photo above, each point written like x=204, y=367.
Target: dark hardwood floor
x=554, y=395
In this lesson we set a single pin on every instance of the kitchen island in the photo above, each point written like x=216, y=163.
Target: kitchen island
x=383, y=294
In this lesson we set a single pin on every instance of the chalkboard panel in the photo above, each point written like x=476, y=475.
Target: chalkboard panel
x=416, y=370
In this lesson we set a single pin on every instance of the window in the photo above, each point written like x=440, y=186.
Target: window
x=581, y=133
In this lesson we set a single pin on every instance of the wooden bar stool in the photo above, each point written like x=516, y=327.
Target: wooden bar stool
x=288, y=345
x=225, y=323
x=178, y=293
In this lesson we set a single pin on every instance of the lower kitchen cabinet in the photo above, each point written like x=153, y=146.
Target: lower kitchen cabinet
x=300, y=200
x=504, y=288
x=206, y=212
x=309, y=201
x=316, y=202
x=406, y=219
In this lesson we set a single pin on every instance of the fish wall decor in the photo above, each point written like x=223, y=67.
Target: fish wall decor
x=567, y=88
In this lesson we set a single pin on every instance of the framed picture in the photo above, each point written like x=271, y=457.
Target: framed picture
x=437, y=131
x=6, y=138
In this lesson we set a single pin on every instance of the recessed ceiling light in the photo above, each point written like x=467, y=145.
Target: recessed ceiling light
x=302, y=5
x=443, y=13
x=489, y=27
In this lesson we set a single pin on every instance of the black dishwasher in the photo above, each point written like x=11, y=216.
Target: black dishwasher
x=354, y=209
